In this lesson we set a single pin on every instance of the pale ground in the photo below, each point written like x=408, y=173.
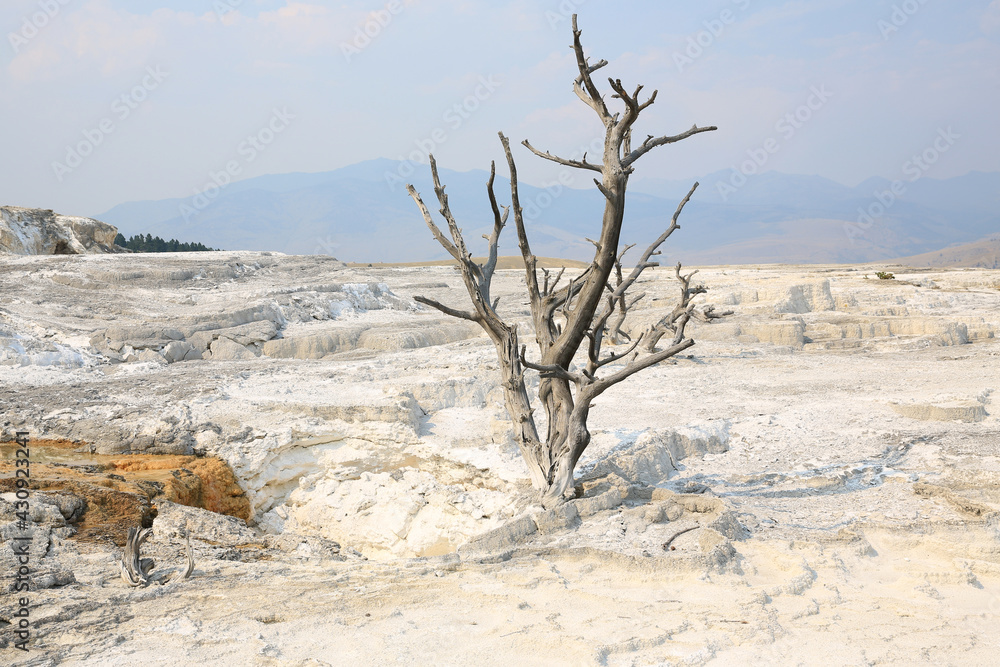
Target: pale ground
x=843, y=432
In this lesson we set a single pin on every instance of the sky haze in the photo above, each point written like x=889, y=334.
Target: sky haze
x=108, y=101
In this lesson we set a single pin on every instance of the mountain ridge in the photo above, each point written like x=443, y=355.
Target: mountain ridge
x=362, y=213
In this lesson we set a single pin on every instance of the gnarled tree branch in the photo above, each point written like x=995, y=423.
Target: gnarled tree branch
x=578, y=164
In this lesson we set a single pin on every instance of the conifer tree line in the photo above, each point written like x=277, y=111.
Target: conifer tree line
x=149, y=243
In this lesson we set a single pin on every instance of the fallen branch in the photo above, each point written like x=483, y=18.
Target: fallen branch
x=666, y=545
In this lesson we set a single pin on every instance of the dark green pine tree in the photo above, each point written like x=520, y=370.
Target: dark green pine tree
x=150, y=243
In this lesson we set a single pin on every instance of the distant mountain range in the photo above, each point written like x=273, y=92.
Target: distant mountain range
x=362, y=213
x=982, y=254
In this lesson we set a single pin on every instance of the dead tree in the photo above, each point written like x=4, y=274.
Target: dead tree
x=677, y=319
x=135, y=570
x=566, y=317
x=622, y=304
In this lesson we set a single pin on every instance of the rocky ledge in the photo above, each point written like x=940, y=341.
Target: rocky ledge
x=33, y=231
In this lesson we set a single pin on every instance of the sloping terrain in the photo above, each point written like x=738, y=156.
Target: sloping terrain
x=817, y=483
x=983, y=254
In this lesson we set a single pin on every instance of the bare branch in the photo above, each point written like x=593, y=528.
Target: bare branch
x=682, y=324
x=652, y=250
x=597, y=332
x=133, y=569
x=549, y=289
x=190, y=560
x=650, y=144
x=604, y=191
x=632, y=110
x=551, y=370
x=677, y=319
x=464, y=257
x=649, y=102
x=631, y=106
x=708, y=314
x=494, y=239
x=530, y=272
x=592, y=96
x=556, y=299
x=621, y=355
x=568, y=299
x=617, y=303
x=561, y=160
x=189, y=568
x=441, y=238
x=597, y=388
x=666, y=545
x=447, y=310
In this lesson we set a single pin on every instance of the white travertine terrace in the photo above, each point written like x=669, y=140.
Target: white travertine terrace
x=835, y=445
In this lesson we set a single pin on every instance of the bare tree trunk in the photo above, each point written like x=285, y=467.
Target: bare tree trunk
x=561, y=488
x=519, y=409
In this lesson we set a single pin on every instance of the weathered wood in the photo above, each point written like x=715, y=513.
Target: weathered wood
x=677, y=319
x=563, y=318
x=135, y=570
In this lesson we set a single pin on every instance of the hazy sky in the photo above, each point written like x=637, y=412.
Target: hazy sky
x=106, y=101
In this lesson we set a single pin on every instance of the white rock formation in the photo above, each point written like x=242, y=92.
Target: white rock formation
x=32, y=231
x=828, y=456
x=655, y=455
